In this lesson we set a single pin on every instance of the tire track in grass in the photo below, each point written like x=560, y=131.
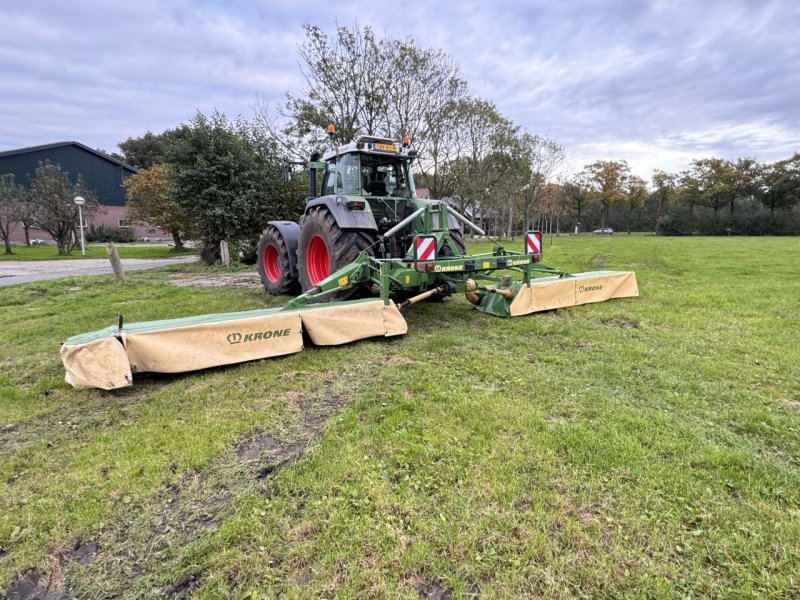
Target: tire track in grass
x=142, y=548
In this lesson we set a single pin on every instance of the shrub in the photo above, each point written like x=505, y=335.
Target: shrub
x=118, y=235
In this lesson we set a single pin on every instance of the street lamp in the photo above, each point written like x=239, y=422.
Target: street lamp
x=80, y=202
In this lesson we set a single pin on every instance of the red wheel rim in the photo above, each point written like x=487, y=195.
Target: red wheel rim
x=317, y=261
x=271, y=267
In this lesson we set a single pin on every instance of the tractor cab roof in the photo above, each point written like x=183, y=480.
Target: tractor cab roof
x=368, y=144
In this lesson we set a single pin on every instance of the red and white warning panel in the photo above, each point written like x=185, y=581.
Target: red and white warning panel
x=424, y=248
x=533, y=244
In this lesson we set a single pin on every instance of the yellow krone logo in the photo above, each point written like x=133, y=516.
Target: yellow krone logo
x=589, y=288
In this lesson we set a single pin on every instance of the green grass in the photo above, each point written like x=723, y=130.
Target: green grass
x=49, y=252
x=647, y=447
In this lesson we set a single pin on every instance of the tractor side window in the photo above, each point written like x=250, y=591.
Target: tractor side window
x=346, y=179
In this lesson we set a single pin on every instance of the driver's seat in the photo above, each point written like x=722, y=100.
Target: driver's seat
x=376, y=187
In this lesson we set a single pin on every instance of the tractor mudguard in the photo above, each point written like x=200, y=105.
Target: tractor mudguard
x=345, y=218
x=290, y=232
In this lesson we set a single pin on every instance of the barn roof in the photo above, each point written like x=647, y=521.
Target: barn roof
x=84, y=147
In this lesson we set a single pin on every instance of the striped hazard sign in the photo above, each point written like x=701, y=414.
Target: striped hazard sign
x=425, y=247
x=533, y=244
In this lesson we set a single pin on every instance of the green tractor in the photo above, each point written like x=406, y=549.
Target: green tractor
x=367, y=188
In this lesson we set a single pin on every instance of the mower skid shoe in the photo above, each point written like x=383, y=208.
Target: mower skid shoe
x=107, y=359
x=548, y=293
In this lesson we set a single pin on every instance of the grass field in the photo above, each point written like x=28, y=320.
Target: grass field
x=646, y=447
x=49, y=252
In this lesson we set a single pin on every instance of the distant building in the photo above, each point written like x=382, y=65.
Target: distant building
x=101, y=173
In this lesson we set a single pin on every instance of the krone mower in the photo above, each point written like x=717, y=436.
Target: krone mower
x=364, y=249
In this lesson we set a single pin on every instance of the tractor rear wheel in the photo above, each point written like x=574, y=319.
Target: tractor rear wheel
x=324, y=248
x=274, y=264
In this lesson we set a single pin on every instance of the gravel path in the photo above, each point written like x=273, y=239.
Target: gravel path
x=26, y=271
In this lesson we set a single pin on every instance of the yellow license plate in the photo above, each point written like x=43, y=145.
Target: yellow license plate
x=386, y=147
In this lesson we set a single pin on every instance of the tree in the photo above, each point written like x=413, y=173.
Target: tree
x=12, y=197
x=636, y=195
x=27, y=216
x=544, y=157
x=779, y=183
x=577, y=195
x=607, y=179
x=366, y=85
x=487, y=153
x=52, y=192
x=227, y=178
x=150, y=203
x=710, y=182
x=150, y=149
x=664, y=184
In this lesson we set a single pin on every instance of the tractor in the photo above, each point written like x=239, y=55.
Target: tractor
x=367, y=188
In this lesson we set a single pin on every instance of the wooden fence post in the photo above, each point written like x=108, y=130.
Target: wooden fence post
x=116, y=263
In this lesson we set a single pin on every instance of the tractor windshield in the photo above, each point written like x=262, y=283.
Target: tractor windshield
x=369, y=175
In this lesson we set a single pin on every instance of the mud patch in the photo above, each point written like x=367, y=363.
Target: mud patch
x=85, y=552
x=47, y=584
x=793, y=404
x=430, y=589
x=181, y=588
x=247, y=279
x=620, y=323
x=253, y=444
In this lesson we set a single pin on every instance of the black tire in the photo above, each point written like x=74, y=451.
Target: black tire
x=320, y=235
x=274, y=264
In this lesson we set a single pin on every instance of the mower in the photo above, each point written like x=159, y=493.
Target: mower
x=364, y=249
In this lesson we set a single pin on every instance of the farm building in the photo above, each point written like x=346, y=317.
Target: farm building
x=103, y=174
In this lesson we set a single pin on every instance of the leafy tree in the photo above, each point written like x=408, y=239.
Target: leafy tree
x=664, y=184
x=577, y=195
x=636, y=195
x=150, y=203
x=12, y=197
x=52, y=193
x=488, y=158
x=710, y=182
x=779, y=183
x=227, y=178
x=608, y=180
x=150, y=149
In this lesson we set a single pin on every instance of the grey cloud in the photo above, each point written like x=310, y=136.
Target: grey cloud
x=655, y=82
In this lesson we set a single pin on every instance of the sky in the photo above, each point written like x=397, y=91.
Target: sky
x=656, y=83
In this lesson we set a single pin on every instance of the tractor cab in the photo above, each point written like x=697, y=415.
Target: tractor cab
x=371, y=167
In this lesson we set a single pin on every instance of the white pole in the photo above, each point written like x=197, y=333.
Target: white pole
x=83, y=242
x=79, y=201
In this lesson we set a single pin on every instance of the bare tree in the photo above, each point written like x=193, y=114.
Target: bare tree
x=12, y=197
x=544, y=157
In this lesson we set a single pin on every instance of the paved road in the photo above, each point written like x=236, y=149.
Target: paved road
x=26, y=271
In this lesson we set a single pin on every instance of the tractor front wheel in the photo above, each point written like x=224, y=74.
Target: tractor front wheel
x=324, y=248
x=274, y=265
